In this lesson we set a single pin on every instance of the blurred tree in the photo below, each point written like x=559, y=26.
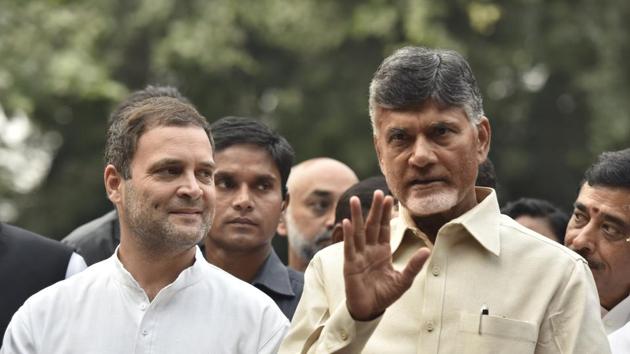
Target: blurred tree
x=553, y=76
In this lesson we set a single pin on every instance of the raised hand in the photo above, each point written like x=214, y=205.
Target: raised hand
x=372, y=283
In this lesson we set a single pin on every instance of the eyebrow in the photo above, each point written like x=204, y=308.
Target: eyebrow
x=321, y=193
x=394, y=130
x=173, y=162
x=263, y=177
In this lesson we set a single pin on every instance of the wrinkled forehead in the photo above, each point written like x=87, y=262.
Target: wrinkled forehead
x=604, y=199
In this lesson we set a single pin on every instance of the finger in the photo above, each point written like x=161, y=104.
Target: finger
x=348, y=240
x=384, y=234
x=373, y=222
x=357, y=224
x=414, y=266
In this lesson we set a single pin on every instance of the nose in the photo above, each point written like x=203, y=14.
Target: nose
x=190, y=187
x=242, y=200
x=582, y=240
x=422, y=154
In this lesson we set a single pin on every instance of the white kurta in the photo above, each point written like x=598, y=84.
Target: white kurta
x=104, y=310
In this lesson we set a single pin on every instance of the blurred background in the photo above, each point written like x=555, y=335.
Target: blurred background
x=554, y=76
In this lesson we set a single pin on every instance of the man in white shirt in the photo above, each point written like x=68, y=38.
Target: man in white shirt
x=599, y=230
x=156, y=294
x=450, y=274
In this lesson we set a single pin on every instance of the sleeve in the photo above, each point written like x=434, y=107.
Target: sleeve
x=18, y=336
x=572, y=323
x=315, y=330
x=76, y=264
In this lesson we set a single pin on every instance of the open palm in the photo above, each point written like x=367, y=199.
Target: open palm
x=372, y=283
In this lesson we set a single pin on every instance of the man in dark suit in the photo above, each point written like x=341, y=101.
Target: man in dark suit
x=29, y=263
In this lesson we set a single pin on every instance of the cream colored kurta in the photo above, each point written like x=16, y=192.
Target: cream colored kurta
x=540, y=296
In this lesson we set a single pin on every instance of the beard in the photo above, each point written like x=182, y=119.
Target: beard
x=154, y=231
x=303, y=246
x=431, y=204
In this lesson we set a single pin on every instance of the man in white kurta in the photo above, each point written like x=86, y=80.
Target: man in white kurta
x=156, y=294
x=104, y=310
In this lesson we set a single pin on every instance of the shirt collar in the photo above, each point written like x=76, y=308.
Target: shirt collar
x=481, y=222
x=620, y=314
x=274, y=276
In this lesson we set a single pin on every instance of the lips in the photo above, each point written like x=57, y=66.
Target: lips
x=425, y=181
x=242, y=221
x=186, y=211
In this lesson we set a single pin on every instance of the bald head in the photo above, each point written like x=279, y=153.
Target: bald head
x=314, y=187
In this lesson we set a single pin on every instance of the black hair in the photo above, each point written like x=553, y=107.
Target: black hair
x=539, y=208
x=230, y=131
x=364, y=190
x=612, y=169
x=486, y=176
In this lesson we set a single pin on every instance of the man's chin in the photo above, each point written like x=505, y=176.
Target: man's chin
x=432, y=204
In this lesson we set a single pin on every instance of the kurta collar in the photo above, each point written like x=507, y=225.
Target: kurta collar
x=186, y=278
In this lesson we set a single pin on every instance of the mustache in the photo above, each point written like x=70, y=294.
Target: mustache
x=592, y=263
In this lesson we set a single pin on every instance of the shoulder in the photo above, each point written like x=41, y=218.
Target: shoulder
x=100, y=226
x=18, y=239
x=230, y=287
x=517, y=236
x=58, y=297
x=297, y=280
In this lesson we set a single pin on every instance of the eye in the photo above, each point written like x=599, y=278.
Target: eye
x=205, y=176
x=264, y=186
x=397, y=136
x=224, y=183
x=442, y=131
x=320, y=207
x=612, y=232
x=579, y=219
x=169, y=171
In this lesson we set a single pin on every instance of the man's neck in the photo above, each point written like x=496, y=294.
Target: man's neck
x=241, y=264
x=295, y=261
x=154, y=271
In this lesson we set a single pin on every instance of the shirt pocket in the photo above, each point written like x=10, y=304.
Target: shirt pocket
x=497, y=335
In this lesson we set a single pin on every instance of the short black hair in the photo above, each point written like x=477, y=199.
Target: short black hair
x=612, y=169
x=229, y=131
x=364, y=190
x=539, y=208
x=486, y=176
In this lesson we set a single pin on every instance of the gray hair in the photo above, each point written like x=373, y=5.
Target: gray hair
x=413, y=76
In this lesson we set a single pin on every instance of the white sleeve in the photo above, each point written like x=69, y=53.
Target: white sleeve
x=75, y=265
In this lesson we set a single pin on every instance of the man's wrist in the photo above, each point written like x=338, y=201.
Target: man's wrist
x=367, y=318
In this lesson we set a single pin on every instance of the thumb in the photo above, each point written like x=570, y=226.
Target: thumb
x=415, y=265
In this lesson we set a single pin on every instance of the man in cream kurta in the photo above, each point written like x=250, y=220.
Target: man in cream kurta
x=450, y=274
x=539, y=295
